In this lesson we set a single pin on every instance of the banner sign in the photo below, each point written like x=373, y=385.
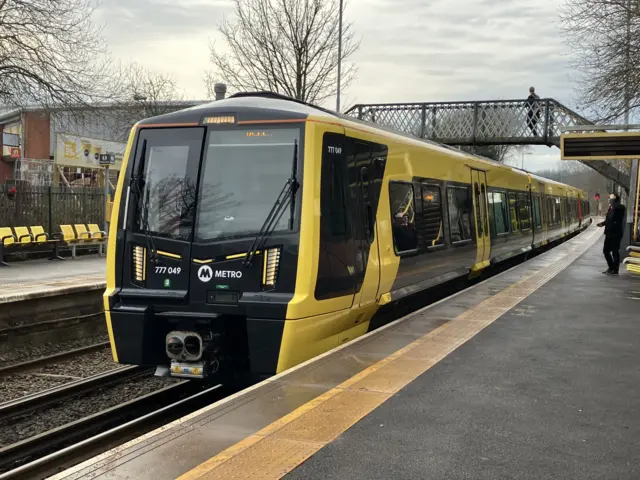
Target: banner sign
x=74, y=151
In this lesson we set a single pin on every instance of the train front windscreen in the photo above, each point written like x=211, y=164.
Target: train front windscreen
x=241, y=174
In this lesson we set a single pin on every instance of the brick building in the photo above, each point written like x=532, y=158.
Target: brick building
x=62, y=146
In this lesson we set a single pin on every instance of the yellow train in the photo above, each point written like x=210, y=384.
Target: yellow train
x=253, y=233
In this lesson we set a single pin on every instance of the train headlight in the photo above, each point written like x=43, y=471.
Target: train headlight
x=139, y=263
x=270, y=267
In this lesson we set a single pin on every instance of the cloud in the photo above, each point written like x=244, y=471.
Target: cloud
x=144, y=20
x=411, y=50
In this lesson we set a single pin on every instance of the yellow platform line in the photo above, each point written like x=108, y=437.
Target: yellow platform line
x=281, y=446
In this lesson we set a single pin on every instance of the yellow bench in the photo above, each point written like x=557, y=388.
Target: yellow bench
x=23, y=237
x=13, y=238
x=79, y=234
x=7, y=240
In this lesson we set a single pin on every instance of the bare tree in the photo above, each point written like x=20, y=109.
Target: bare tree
x=285, y=46
x=499, y=153
x=604, y=36
x=583, y=177
x=136, y=93
x=150, y=91
x=51, y=53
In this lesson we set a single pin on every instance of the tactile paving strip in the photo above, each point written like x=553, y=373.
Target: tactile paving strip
x=15, y=292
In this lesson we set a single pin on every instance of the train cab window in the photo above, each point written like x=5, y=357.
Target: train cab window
x=432, y=215
x=403, y=218
x=499, y=212
x=333, y=197
x=460, y=213
x=166, y=166
x=243, y=172
x=524, y=211
x=537, y=213
x=513, y=209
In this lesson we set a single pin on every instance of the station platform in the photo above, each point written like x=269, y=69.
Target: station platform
x=43, y=278
x=532, y=373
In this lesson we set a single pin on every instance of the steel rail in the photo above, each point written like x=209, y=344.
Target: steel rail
x=45, y=398
x=65, y=445
x=37, y=362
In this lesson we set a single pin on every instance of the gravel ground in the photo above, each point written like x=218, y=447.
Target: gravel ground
x=21, y=384
x=9, y=355
x=17, y=429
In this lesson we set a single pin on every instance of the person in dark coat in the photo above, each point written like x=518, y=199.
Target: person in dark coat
x=533, y=114
x=613, y=231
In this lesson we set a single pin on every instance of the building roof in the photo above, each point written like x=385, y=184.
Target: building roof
x=8, y=114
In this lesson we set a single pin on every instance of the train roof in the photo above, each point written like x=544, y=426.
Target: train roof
x=274, y=104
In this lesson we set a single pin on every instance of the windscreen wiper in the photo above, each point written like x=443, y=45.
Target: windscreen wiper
x=286, y=197
x=143, y=208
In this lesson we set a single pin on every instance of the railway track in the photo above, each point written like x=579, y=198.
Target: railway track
x=23, y=405
x=50, y=359
x=64, y=446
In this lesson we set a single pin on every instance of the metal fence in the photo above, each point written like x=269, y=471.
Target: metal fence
x=22, y=204
x=499, y=122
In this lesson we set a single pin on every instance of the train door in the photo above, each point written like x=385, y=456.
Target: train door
x=366, y=168
x=483, y=237
x=159, y=207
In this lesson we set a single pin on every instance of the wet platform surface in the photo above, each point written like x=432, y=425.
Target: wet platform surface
x=41, y=278
x=550, y=390
x=530, y=374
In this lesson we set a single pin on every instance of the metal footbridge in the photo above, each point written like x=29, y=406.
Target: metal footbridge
x=499, y=122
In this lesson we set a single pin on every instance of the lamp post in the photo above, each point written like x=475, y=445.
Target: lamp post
x=339, y=57
x=522, y=162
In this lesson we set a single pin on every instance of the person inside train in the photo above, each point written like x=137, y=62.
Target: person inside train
x=613, y=231
x=403, y=232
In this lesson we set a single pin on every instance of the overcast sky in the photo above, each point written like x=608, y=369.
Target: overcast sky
x=411, y=50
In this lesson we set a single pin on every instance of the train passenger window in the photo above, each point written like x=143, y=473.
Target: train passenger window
x=551, y=211
x=483, y=206
x=558, y=211
x=479, y=207
x=403, y=218
x=524, y=211
x=537, y=212
x=513, y=208
x=492, y=219
x=460, y=206
x=500, y=211
x=432, y=215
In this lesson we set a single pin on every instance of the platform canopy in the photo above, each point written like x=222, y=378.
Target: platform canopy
x=615, y=145
x=600, y=142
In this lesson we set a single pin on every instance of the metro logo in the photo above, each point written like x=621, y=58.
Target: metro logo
x=205, y=273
